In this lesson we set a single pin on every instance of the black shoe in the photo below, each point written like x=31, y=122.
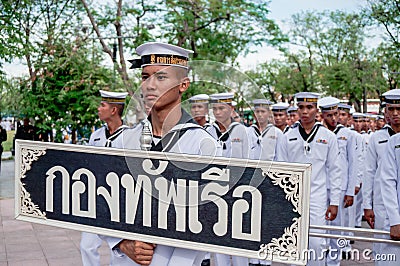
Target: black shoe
x=205, y=262
x=252, y=264
x=352, y=242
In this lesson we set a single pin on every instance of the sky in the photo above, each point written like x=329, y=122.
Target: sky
x=281, y=10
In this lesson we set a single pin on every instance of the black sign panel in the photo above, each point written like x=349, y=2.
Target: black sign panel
x=231, y=206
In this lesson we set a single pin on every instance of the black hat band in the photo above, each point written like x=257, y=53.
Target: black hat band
x=160, y=59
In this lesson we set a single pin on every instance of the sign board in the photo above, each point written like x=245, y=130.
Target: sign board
x=232, y=206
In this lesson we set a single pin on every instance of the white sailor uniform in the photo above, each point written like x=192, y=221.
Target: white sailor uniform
x=90, y=243
x=187, y=137
x=390, y=184
x=234, y=141
x=372, y=193
x=347, y=159
x=235, y=144
x=320, y=148
x=265, y=143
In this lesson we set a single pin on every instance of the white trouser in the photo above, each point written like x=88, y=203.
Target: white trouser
x=225, y=260
x=90, y=243
x=359, y=209
x=317, y=245
x=335, y=254
x=382, y=251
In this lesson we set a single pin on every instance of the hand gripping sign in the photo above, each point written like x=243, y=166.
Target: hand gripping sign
x=241, y=207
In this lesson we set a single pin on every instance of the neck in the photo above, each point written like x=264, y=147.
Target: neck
x=114, y=125
x=281, y=127
x=223, y=126
x=308, y=126
x=262, y=126
x=396, y=128
x=201, y=121
x=163, y=121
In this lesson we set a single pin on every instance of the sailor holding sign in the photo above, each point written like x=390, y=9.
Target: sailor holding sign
x=171, y=129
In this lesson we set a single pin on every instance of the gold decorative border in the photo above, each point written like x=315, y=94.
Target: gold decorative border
x=27, y=207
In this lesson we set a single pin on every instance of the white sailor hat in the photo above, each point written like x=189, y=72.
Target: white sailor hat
x=113, y=97
x=373, y=117
x=279, y=107
x=380, y=117
x=292, y=109
x=358, y=116
x=199, y=98
x=225, y=97
x=328, y=103
x=261, y=103
x=157, y=53
x=344, y=107
x=309, y=97
x=392, y=96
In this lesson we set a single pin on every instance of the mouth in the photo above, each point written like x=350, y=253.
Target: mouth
x=150, y=97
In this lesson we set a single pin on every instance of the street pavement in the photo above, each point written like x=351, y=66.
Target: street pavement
x=24, y=243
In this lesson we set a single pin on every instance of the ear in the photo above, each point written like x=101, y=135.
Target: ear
x=114, y=110
x=185, y=82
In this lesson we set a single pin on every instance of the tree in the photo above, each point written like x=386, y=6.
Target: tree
x=387, y=14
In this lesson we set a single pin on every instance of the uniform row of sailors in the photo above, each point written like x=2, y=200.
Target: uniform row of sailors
x=344, y=148
x=349, y=167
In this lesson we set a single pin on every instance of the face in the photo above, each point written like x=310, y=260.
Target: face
x=199, y=110
x=163, y=86
x=318, y=116
x=393, y=113
x=343, y=117
x=366, y=124
x=105, y=111
x=331, y=118
x=307, y=112
x=372, y=124
x=294, y=117
x=222, y=112
x=262, y=115
x=380, y=123
x=236, y=117
x=358, y=124
x=280, y=118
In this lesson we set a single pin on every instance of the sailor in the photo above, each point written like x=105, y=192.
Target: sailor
x=279, y=111
x=235, y=143
x=293, y=115
x=265, y=136
x=199, y=109
x=374, y=211
x=380, y=121
x=355, y=167
x=389, y=173
x=110, y=111
x=347, y=160
x=310, y=142
x=231, y=135
x=170, y=129
x=362, y=142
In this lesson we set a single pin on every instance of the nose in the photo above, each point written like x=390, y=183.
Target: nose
x=149, y=84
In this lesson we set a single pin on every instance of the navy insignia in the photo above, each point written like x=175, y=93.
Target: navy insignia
x=397, y=146
x=323, y=141
x=292, y=139
x=383, y=141
x=96, y=139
